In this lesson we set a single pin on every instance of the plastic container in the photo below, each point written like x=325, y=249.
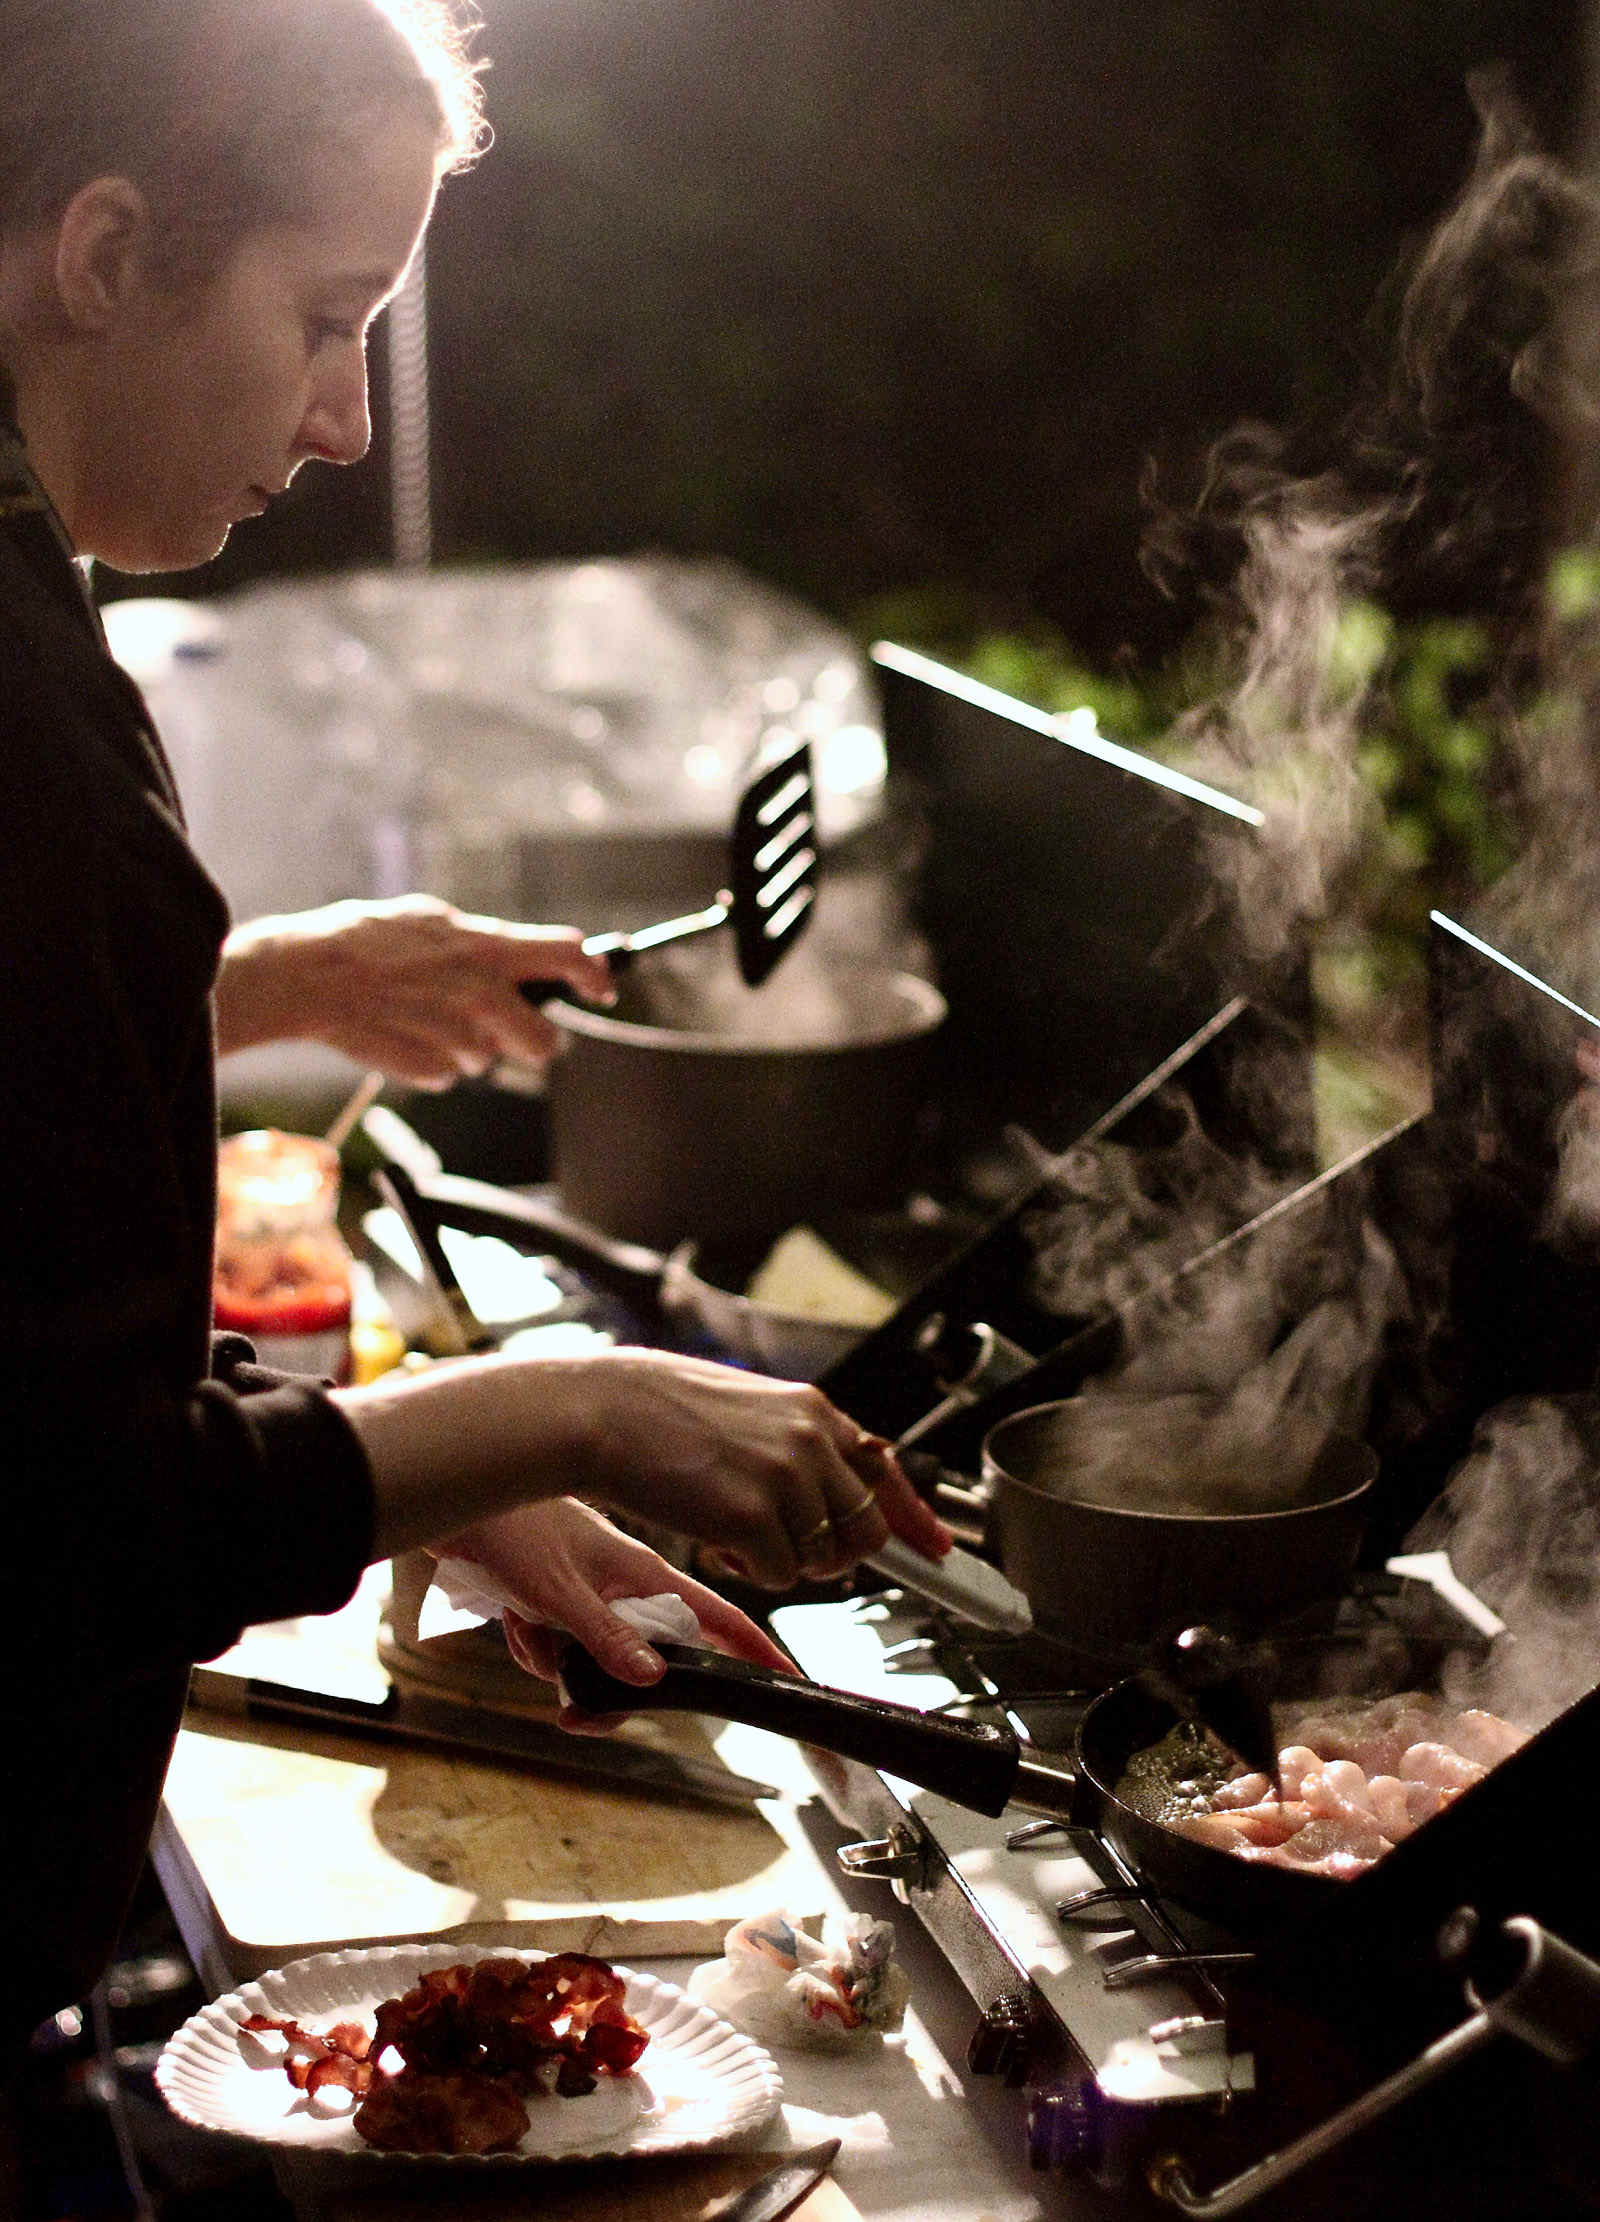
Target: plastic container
x=283, y=1270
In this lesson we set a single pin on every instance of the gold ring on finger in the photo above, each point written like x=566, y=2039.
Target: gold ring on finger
x=815, y=1537
x=867, y=1505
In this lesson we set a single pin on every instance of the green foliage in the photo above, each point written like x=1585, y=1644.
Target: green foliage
x=1573, y=590
x=1428, y=745
x=1035, y=663
x=1434, y=758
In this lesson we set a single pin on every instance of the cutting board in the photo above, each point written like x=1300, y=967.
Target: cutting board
x=296, y=1839
x=692, y=2189
x=303, y=1842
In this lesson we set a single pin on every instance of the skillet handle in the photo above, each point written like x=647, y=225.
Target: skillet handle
x=970, y=1762
x=626, y=1270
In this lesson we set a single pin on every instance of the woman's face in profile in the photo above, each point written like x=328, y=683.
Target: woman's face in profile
x=206, y=402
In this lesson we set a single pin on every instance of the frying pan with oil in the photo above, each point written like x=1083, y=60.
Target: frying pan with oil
x=1360, y=1949
x=983, y=1767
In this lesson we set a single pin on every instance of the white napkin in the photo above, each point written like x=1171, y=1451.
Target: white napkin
x=468, y=1589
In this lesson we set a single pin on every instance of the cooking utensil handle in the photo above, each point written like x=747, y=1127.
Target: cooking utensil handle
x=621, y=949
x=961, y=1581
x=617, y=947
x=623, y=1269
x=456, y=1324
x=970, y=1762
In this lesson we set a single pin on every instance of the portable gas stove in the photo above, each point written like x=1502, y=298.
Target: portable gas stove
x=1151, y=2058
x=1139, y=2031
x=1118, y=2012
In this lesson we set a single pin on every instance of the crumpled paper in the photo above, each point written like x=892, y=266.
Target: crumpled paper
x=783, y=1986
x=663, y=1618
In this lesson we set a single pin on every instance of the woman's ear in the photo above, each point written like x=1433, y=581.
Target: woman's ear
x=102, y=252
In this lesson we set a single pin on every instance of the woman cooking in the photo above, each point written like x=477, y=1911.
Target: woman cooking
x=203, y=206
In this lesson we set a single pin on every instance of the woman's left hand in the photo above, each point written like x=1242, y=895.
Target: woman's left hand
x=565, y=1564
x=422, y=991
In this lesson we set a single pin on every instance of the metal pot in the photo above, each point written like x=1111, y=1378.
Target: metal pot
x=1110, y=1570
x=663, y=1133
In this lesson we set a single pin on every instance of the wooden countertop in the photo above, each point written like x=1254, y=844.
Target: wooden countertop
x=420, y=1843
x=417, y=1842
x=275, y=1841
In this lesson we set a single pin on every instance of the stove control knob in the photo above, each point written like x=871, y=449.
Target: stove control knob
x=1063, y=2132
x=1003, y=2040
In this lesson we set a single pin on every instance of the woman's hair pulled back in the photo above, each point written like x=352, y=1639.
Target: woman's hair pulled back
x=218, y=109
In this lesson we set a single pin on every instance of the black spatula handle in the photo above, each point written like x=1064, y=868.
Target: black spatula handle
x=616, y=947
x=969, y=1762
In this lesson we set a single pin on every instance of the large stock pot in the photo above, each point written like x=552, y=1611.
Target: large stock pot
x=745, y=1118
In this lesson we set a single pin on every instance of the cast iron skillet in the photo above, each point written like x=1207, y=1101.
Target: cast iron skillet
x=1363, y=1950
x=982, y=1767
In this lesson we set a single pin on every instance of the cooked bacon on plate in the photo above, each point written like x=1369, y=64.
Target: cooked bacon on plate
x=419, y=2113
x=340, y=2056
x=474, y=2042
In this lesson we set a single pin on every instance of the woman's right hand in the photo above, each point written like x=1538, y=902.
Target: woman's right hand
x=769, y=1473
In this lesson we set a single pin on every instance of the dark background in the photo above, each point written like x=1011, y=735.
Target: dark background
x=886, y=297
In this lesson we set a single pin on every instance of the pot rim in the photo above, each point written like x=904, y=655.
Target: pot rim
x=1136, y=1513
x=924, y=1010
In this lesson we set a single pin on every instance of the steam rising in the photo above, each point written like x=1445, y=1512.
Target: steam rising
x=1432, y=499
x=1521, y=1522
x=1243, y=1362
x=1572, y=1215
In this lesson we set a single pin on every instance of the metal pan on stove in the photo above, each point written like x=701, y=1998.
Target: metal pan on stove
x=1113, y=1558
x=1315, y=1933
x=1313, y=1929
x=985, y=1768
x=693, y=1288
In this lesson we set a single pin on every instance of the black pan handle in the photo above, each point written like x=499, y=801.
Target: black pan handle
x=970, y=1762
x=459, y=1328
x=627, y=1270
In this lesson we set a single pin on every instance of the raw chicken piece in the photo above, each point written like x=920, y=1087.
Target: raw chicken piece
x=1386, y=1794
x=1243, y=1790
x=1358, y=1777
x=1295, y=1762
x=1485, y=1737
x=1371, y=1733
x=1338, y=1789
x=1269, y=1822
x=1216, y=1829
x=1437, y=1764
x=1322, y=1847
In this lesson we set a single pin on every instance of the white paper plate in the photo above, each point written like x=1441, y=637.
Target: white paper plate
x=699, y=2081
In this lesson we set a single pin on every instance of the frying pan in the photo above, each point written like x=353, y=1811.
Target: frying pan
x=1362, y=1951
x=689, y=1285
x=984, y=1768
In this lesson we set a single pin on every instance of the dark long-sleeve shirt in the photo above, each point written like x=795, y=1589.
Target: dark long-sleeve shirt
x=151, y=1511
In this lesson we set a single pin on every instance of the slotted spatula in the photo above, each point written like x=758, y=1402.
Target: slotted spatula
x=772, y=881
x=772, y=887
